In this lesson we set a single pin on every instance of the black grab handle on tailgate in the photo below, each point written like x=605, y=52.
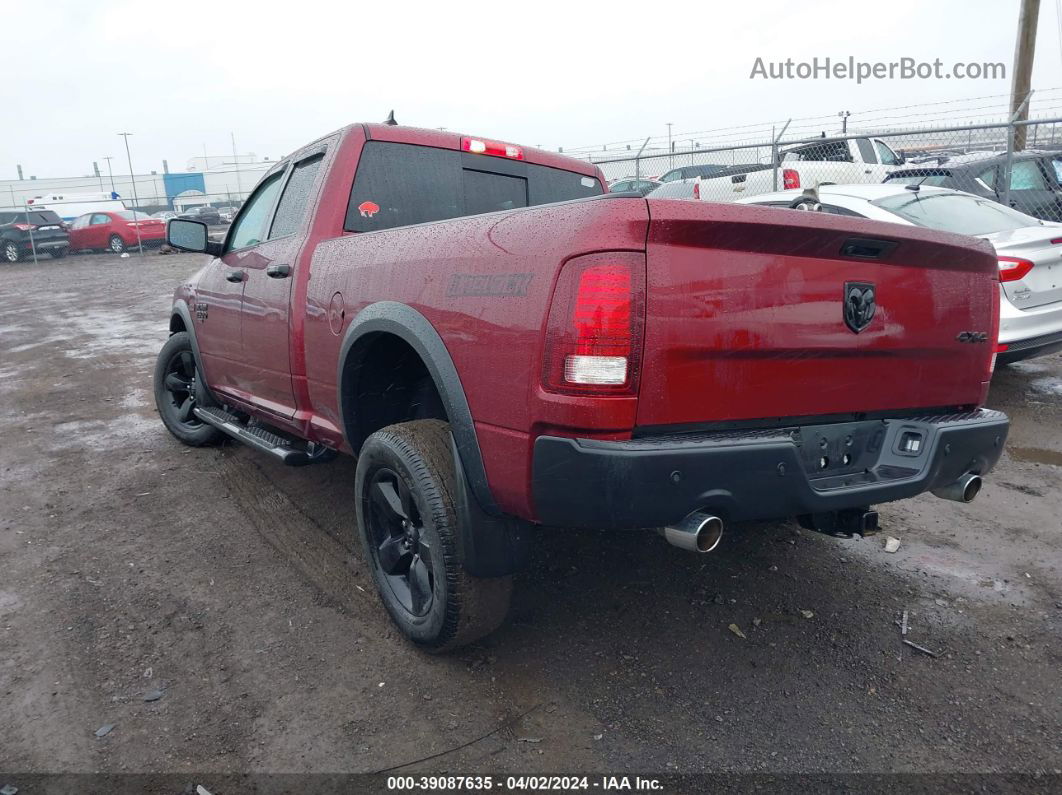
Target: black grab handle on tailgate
x=866, y=248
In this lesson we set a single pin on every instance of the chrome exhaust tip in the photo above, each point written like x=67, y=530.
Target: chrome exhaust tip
x=698, y=532
x=962, y=490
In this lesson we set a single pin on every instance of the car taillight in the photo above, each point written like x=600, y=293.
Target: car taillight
x=477, y=146
x=696, y=190
x=24, y=227
x=1011, y=269
x=994, y=338
x=594, y=330
x=790, y=178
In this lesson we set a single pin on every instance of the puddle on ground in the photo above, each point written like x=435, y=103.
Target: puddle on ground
x=1035, y=455
x=1047, y=386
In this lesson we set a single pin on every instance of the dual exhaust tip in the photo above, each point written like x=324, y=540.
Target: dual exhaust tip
x=702, y=532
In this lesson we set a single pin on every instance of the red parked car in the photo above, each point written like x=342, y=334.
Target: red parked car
x=503, y=344
x=115, y=231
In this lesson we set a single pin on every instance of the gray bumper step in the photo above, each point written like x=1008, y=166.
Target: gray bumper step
x=254, y=436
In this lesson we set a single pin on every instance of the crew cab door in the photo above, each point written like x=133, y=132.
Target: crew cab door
x=270, y=269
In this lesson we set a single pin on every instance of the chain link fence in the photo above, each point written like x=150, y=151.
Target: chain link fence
x=1017, y=164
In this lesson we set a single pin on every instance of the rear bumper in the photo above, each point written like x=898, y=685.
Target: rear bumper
x=1031, y=347
x=757, y=474
x=44, y=244
x=1029, y=332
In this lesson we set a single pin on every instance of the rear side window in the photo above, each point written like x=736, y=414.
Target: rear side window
x=866, y=151
x=1026, y=175
x=403, y=184
x=296, y=196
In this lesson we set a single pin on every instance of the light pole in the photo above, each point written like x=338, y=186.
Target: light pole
x=236, y=158
x=670, y=148
x=136, y=201
x=110, y=173
x=844, y=114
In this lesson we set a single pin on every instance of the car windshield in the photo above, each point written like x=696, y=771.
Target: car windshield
x=38, y=217
x=132, y=215
x=956, y=212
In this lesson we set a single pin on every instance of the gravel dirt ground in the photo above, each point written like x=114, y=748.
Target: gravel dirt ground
x=214, y=608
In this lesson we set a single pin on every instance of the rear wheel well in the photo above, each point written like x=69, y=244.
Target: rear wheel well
x=385, y=382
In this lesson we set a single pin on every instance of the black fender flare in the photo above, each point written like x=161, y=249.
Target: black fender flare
x=181, y=310
x=405, y=322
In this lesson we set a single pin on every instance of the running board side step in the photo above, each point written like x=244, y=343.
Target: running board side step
x=261, y=439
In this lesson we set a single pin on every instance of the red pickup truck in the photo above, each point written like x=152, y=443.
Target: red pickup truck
x=504, y=344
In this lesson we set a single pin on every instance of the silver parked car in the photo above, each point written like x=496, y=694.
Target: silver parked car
x=1029, y=250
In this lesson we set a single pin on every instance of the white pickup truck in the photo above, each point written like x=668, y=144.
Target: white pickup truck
x=836, y=161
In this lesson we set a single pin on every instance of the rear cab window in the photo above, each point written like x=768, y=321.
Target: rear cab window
x=401, y=184
x=833, y=151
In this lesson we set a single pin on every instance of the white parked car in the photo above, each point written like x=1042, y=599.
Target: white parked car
x=830, y=161
x=1029, y=250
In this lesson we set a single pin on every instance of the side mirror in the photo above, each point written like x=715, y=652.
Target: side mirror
x=190, y=236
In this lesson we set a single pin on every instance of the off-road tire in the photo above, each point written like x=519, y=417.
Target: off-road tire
x=463, y=608
x=177, y=360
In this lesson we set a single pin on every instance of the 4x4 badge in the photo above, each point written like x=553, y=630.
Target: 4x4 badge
x=859, y=305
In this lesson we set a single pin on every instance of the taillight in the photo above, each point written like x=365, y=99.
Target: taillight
x=696, y=190
x=1011, y=269
x=594, y=330
x=478, y=146
x=790, y=178
x=994, y=339
x=24, y=227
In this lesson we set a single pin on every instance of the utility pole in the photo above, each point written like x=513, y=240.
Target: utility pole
x=110, y=173
x=136, y=201
x=844, y=114
x=1024, y=50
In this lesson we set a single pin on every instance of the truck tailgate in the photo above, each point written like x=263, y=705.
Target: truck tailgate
x=745, y=316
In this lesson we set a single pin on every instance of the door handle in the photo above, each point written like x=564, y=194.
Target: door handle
x=278, y=271
x=235, y=276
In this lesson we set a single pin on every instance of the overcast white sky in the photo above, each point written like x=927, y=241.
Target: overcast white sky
x=183, y=74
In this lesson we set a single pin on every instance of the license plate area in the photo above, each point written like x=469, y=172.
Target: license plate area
x=841, y=449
